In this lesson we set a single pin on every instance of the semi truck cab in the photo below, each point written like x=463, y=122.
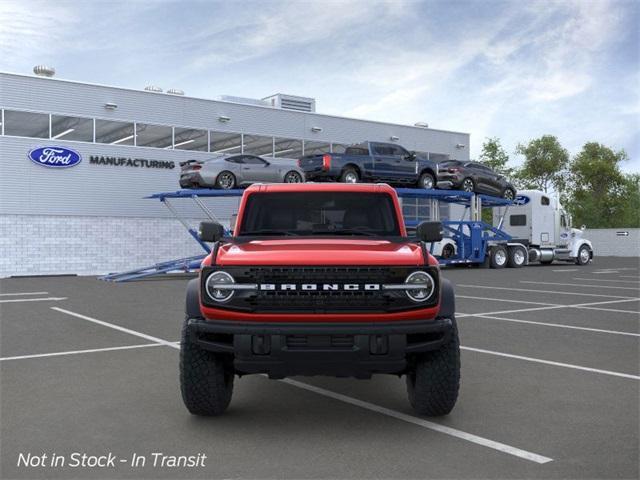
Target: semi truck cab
x=538, y=221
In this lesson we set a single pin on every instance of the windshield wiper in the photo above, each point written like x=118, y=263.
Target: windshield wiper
x=347, y=231
x=266, y=231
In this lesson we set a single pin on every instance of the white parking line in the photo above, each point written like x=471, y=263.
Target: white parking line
x=556, y=364
x=629, y=276
x=567, y=270
x=605, y=280
x=22, y=293
x=531, y=290
x=117, y=327
x=582, y=285
x=47, y=299
x=76, y=352
x=558, y=325
x=469, y=437
x=551, y=306
x=616, y=310
x=525, y=302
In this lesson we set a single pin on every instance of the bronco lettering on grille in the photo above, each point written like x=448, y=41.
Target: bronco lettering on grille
x=320, y=286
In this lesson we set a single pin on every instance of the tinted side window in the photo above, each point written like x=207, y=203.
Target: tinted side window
x=399, y=151
x=518, y=220
x=253, y=160
x=237, y=159
x=356, y=151
x=545, y=201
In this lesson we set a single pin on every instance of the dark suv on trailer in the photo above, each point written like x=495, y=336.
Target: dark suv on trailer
x=474, y=177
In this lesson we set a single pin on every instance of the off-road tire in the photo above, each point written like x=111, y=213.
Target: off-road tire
x=206, y=382
x=427, y=178
x=499, y=257
x=347, y=173
x=433, y=384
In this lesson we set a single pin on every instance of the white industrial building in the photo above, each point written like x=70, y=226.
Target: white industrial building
x=93, y=218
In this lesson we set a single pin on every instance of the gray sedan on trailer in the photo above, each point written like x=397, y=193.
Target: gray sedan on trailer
x=234, y=171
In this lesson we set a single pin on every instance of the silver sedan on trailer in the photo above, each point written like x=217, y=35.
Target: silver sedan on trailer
x=234, y=171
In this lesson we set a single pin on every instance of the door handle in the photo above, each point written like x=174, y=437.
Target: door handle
x=246, y=168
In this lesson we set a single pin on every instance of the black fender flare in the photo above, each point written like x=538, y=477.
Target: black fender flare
x=192, y=304
x=447, y=300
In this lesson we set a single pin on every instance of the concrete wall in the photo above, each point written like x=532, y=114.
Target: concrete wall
x=607, y=241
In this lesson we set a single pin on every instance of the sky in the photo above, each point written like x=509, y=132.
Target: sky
x=515, y=70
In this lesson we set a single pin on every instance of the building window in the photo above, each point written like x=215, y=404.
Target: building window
x=157, y=136
x=225, y=143
x=190, y=139
x=287, y=148
x=71, y=128
x=258, y=145
x=316, y=148
x=114, y=133
x=26, y=124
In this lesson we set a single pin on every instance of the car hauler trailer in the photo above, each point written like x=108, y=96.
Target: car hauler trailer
x=540, y=222
x=468, y=241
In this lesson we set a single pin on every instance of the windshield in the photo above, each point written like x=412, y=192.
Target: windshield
x=320, y=213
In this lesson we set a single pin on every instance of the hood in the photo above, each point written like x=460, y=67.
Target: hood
x=320, y=251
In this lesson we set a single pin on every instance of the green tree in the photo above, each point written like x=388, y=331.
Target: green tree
x=545, y=164
x=599, y=195
x=495, y=157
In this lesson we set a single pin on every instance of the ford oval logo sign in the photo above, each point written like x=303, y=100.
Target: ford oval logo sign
x=521, y=200
x=55, y=157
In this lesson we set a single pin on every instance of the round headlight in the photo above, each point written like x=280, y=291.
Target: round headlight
x=426, y=283
x=215, y=286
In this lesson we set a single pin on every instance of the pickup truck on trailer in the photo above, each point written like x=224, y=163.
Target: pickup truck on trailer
x=372, y=162
x=319, y=279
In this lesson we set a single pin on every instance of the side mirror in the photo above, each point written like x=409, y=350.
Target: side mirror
x=210, y=231
x=411, y=156
x=429, y=231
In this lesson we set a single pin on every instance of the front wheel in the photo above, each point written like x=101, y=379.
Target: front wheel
x=509, y=194
x=293, y=177
x=206, y=380
x=427, y=181
x=584, y=255
x=433, y=383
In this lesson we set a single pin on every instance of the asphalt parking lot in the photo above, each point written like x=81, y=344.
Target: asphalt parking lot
x=550, y=387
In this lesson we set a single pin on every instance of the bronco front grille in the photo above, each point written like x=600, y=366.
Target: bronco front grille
x=320, y=301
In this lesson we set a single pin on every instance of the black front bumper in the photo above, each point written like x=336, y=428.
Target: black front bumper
x=344, y=349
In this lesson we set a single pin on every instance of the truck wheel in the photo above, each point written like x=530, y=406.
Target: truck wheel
x=433, y=384
x=426, y=181
x=226, y=180
x=584, y=255
x=499, y=257
x=349, y=175
x=205, y=381
x=517, y=257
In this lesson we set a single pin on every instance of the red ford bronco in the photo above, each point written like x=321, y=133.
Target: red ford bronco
x=319, y=279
